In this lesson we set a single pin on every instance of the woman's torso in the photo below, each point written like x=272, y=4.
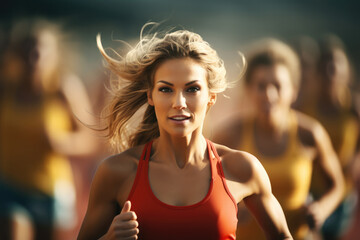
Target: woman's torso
x=214, y=217
x=26, y=156
x=290, y=177
x=343, y=128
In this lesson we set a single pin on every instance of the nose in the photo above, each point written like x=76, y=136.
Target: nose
x=179, y=101
x=271, y=93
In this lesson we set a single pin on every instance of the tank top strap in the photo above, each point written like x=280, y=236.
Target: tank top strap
x=142, y=166
x=145, y=155
x=215, y=162
x=248, y=142
x=295, y=142
x=211, y=148
x=147, y=152
x=143, y=152
x=217, y=169
x=211, y=159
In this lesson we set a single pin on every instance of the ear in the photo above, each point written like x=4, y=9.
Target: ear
x=149, y=98
x=212, y=99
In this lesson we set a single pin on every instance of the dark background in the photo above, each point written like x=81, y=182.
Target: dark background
x=227, y=25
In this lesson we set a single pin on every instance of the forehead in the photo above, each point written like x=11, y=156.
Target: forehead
x=339, y=55
x=185, y=69
x=276, y=73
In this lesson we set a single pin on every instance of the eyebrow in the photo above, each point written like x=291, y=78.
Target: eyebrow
x=170, y=84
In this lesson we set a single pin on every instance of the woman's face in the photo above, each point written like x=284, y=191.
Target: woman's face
x=48, y=57
x=337, y=69
x=180, y=96
x=272, y=90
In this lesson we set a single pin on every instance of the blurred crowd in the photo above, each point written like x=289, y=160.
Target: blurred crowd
x=50, y=146
x=48, y=150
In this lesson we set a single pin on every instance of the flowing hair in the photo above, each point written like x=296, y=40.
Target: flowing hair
x=133, y=79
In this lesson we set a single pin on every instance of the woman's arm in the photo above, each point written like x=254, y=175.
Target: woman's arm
x=252, y=185
x=264, y=206
x=68, y=120
x=101, y=220
x=329, y=164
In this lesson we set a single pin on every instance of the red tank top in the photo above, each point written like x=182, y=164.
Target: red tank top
x=213, y=218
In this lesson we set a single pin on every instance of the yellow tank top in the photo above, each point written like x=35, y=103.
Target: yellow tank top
x=343, y=131
x=290, y=176
x=26, y=157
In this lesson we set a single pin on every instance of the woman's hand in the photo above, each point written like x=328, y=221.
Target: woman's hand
x=314, y=216
x=124, y=226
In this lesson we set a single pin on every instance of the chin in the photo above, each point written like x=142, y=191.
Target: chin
x=180, y=133
x=264, y=113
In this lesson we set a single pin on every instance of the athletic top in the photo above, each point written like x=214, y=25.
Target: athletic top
x=290, y=177
x=343, y=131
x=27, y=159
x=214, y=217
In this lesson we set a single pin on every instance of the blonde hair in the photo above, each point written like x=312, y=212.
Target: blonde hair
x=134, y=74
x=269, y=52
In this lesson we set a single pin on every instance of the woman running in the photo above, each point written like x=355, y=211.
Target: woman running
x=171, y=182
x=334, y=106
x=286, y=141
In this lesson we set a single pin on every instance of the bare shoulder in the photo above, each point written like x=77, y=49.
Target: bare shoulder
x=239, y=166
x=307, y=122
x=310, y=129
x=115, y=175
x=122, y=165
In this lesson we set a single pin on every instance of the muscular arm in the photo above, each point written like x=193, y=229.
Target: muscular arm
x=264, y=206
x=330, y=166
x=248, y=181
x=102, y=205
x=111, y=185
x=77, y=140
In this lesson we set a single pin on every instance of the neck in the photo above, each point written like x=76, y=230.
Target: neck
x=273, y=126
x=327, y=96
x=181, y=151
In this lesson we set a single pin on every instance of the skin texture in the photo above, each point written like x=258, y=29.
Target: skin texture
x=179, y=159
x=272, y=93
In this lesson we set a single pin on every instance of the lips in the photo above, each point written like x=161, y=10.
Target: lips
x=179, y=117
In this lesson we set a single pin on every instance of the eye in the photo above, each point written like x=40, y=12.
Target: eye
x=165, y=89
x=193, y=89
x=277, y=86
x=261, y=86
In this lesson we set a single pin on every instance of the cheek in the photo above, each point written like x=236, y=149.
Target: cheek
x=287, y=96
x=203, y=105
x=257, y=93
x=200, y=100
x=160, y=104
